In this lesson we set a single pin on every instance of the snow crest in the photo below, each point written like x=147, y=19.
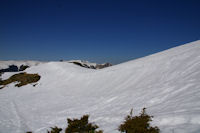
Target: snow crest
x=166, y=83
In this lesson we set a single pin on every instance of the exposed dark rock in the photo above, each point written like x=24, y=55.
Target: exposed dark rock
x=90, y=65
x=11, y=68
x=14, y=68
x=79, y=64
x=0, y=75
x=100, y=66
x=23, y=67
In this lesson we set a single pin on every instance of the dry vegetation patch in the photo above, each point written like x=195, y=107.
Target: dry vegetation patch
x=21, y=78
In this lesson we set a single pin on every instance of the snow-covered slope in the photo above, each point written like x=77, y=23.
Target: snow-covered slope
x=166, y=83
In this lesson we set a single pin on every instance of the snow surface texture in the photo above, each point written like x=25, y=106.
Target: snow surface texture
x=166, y=83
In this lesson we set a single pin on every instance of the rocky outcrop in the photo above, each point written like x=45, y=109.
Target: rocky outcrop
x=14, y=68
x=87, y=64
x=23, y=67
x=100, y=66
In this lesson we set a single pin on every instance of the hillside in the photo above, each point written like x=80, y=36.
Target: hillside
x=166, y=83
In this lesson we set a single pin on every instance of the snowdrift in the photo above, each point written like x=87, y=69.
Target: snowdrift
x=166, y=83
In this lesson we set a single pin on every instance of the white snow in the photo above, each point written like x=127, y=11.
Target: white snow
x=166, y=83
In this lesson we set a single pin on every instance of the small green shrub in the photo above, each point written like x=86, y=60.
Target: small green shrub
x=138, y=124
x=81, y=126
x=22, y=78
x=55, y=130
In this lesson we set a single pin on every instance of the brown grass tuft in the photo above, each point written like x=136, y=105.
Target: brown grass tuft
x=21, y=78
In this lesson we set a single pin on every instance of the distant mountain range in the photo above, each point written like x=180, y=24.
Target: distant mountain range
x=15, y=66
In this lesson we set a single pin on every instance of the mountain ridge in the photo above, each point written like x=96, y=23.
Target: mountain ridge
x=166, y=83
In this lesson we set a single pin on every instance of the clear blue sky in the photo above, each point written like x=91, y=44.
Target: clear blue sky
x=95, y=30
